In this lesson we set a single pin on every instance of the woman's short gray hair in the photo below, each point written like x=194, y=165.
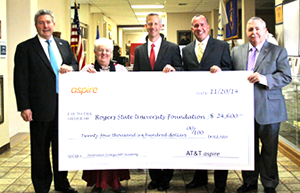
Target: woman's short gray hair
x=43, y=12
x=105, y=42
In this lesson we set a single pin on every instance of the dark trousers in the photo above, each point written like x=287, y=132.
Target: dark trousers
x=42, y=134
x=266, y=159
x=159, y=176
x=220, y=177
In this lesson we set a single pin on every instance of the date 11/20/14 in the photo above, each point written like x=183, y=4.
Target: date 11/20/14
x=219, y=91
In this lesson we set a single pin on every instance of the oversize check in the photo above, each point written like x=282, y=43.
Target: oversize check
x=179, y=120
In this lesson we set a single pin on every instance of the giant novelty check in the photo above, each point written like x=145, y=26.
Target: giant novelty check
x=178, y=120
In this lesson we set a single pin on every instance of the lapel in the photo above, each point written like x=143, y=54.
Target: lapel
x=191, y=49
x=244, y=56
x=210, y=45
x=145, y=54
x=161, y=52
x=40, y=52
x=262, y=54
x=60, y=48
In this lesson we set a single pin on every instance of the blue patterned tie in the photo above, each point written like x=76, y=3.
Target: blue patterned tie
x=53, y=62
x=251, y=59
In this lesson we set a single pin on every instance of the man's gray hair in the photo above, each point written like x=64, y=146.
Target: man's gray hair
x=257, y=19
x=153, y=14
x=43, y=12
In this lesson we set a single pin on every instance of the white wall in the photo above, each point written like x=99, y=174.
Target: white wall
x=15, y=10
x=20, y=18
x=4, y=127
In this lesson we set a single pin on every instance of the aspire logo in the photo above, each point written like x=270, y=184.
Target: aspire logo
x=83, y=90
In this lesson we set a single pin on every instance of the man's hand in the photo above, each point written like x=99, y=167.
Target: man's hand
x=65, y=68
x=168, y=68
x=215, y=69
x=26, y=115
x=255, y=77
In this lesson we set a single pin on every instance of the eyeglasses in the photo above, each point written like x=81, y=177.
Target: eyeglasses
x=104, y=50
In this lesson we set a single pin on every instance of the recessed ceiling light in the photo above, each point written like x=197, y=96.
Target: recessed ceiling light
x=146, y=13
x=147, y=6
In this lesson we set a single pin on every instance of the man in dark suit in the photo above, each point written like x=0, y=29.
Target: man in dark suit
x=166, y=58
x=271, y=72
x=206, y=54
x=36, y=89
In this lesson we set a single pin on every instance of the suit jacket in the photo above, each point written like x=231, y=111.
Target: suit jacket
x=273, y=64
x=169, y=53
x=216, y=53
x=34, y=78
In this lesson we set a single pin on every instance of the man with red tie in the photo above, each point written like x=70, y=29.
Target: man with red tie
x=157, y=54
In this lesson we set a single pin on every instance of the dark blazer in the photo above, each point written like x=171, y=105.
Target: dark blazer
x=169, y=53
x=216, y=53
x=34, y=78
x=273, y=64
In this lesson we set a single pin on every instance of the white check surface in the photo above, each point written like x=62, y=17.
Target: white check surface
x=179, y=120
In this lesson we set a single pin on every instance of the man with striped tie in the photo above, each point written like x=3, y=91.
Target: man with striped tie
x=206, y=54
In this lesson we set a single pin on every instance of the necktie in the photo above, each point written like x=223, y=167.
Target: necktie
x=152, y=56
x=53, y=62
x=199, y=52
x=251, y=59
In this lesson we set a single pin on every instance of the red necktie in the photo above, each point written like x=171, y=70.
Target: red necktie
x=152, y=56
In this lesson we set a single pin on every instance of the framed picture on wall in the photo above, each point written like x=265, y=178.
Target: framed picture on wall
x=233, y=20
x=278, y=14
x=1, y=100
x=184, y=37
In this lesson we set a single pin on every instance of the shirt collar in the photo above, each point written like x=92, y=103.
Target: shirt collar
x=258, y=47
x=156, y=43
x=204, y=42
x=44, y=40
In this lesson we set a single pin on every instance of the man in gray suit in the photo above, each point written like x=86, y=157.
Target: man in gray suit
x=271, y=72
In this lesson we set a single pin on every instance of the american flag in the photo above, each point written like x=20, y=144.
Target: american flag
x=76, y=39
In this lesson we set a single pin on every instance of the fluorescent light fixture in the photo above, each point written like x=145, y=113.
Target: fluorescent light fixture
x=147, y=6
x=146, y=13
x=142, y=19
x=132, y=28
